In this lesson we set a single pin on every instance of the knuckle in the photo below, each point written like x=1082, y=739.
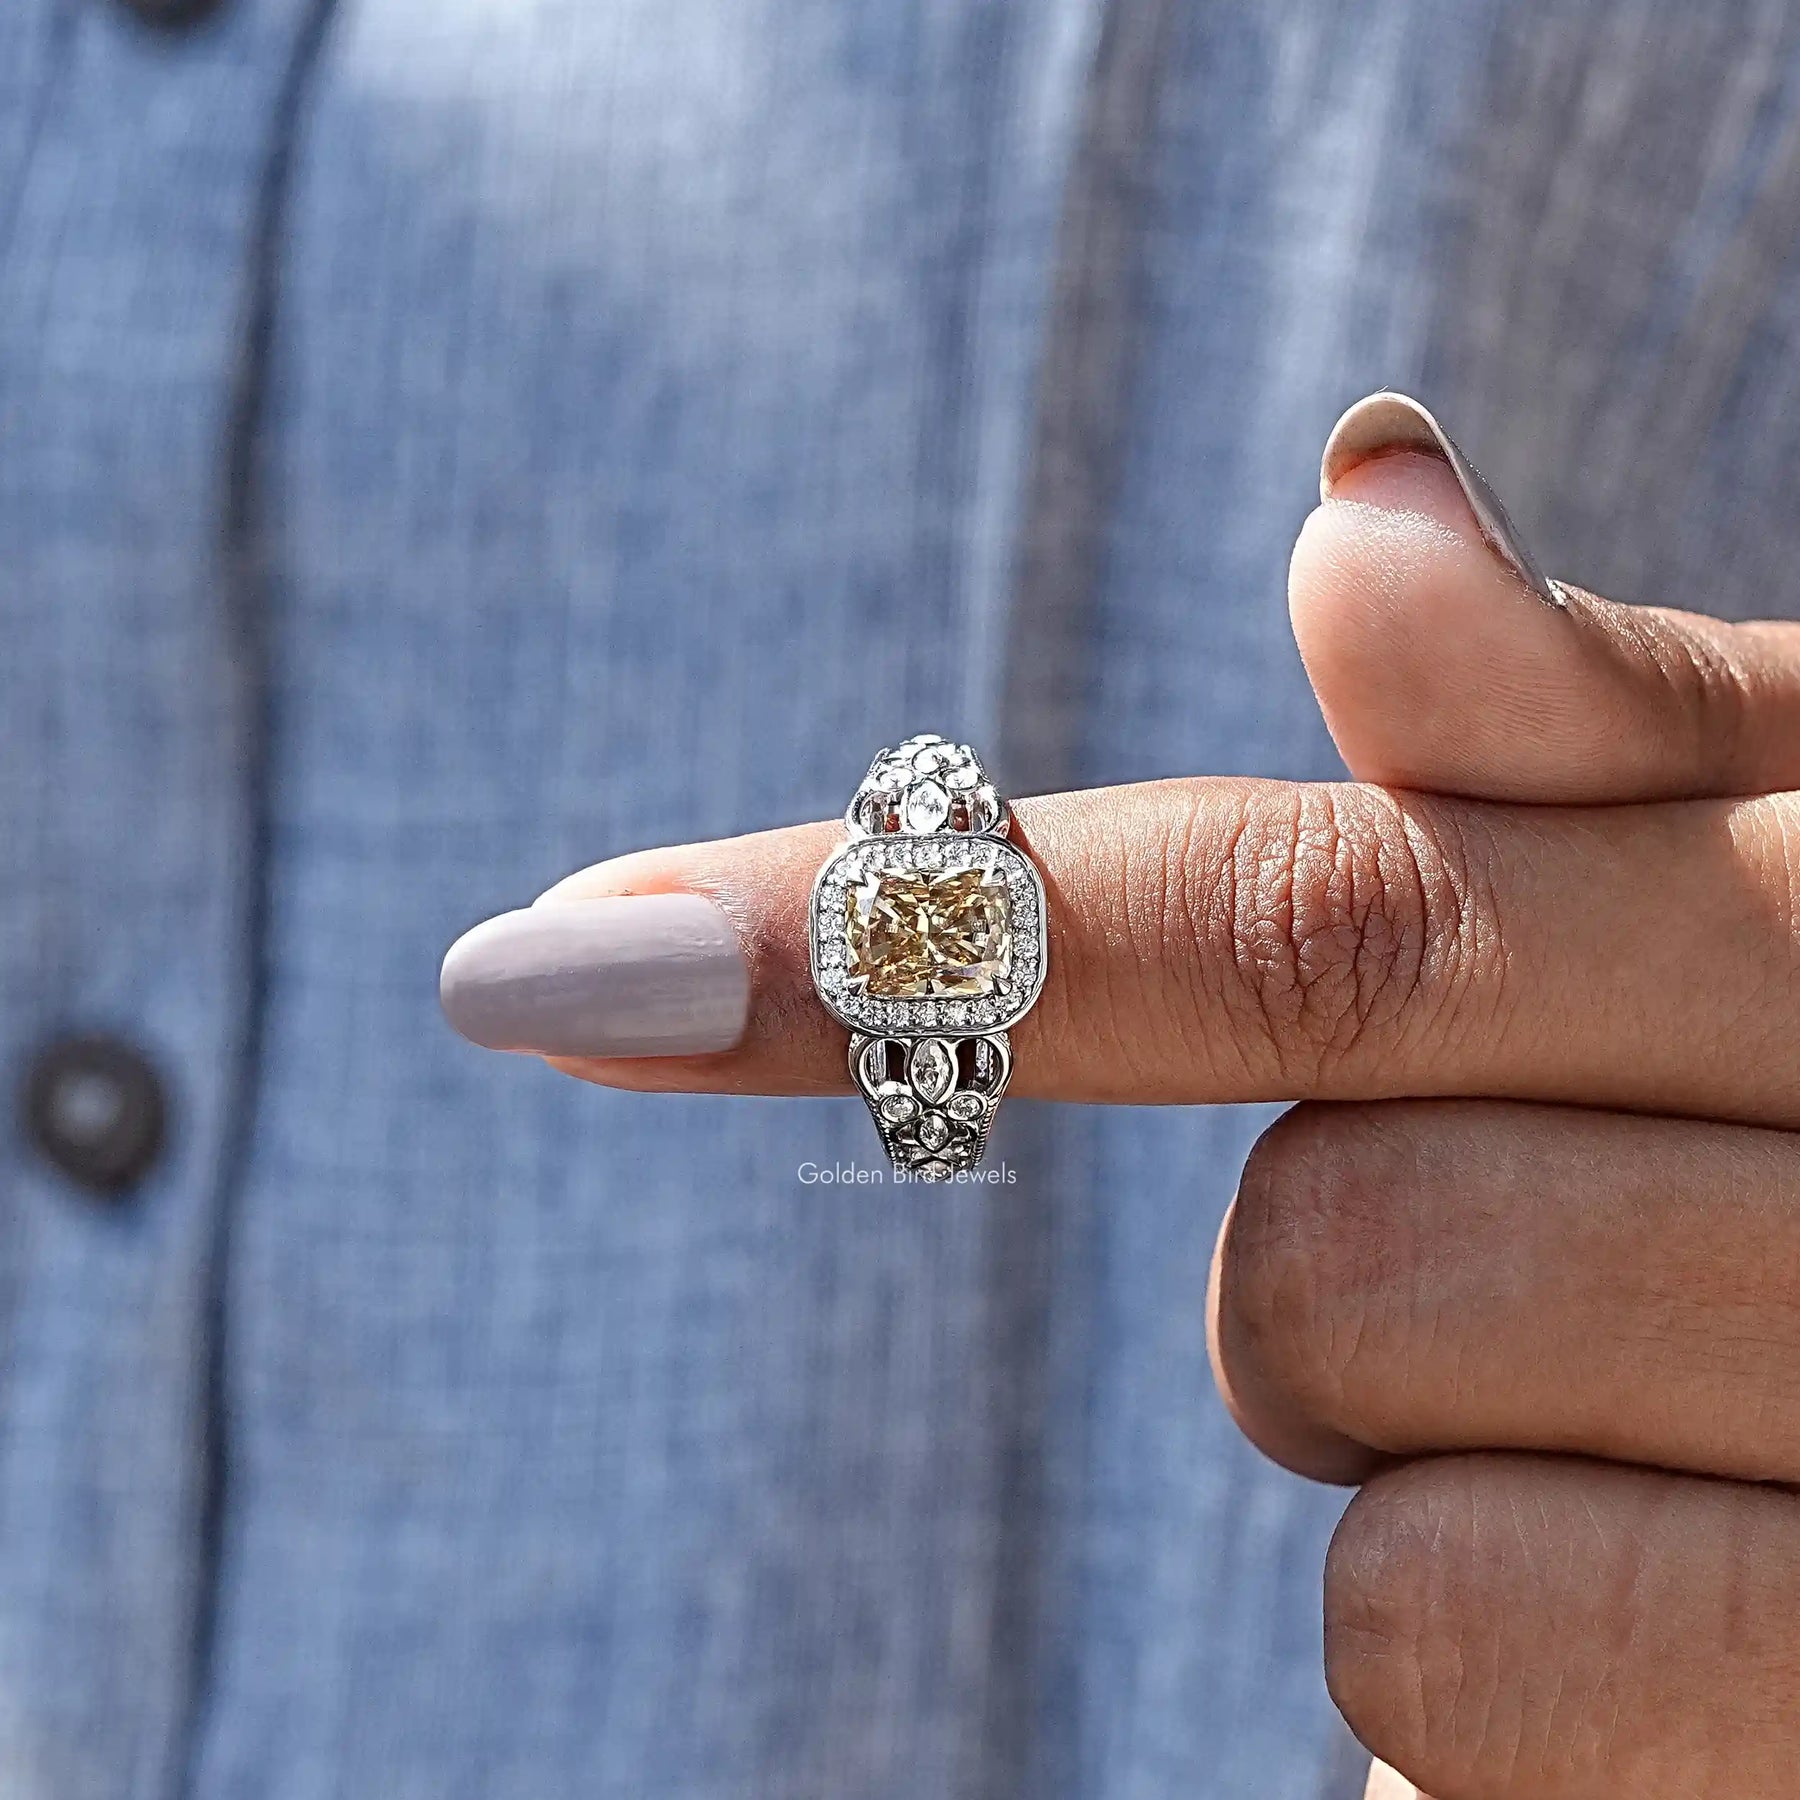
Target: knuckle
x=1705, y=685
x=1308, y=1282
x=1354, y=923
x=1412, y=1654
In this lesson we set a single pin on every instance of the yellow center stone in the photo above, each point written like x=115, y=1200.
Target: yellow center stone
x=925, y=934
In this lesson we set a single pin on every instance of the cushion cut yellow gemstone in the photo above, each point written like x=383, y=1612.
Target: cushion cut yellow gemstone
x=924, y=934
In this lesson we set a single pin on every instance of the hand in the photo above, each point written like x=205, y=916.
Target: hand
x=1430, y=1296
x=1532, y=1273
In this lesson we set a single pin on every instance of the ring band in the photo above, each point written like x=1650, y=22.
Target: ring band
x=928, y=941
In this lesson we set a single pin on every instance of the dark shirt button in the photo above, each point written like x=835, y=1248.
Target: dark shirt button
x=93, y=1107
x=171, y=15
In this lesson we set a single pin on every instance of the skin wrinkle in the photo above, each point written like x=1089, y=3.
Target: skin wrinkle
x=1574, y=1746
x=1482, y=941
x=1271, y=1271
x=1482, y=1743
x=1550, y=1751
x=1106, y=1008
x=1361, y=938
x=1309, y=1281
x=1371, y=1669
x=1668, y=671
x=1422, y=850
x=1465, y=1711
x=1477, y=1597
x=1383, y=1245
x=1765, y=651
x=1435, y=1352
x=1348, y=919
x=1213, y=915
x=1408, y=1566
x=1611, y=1679
x=1363, y=914
x=1424, y=1345
x=1709, y=690
x=1146, y=923
x=1178, y=915
x=1347, y=929
x=1262, y=933
x=1460, y=941
x=1346, y=1332
x=1614, y=1650
x=1362, y=1291
x=1723, y=686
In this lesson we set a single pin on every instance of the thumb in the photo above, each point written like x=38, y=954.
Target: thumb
x=1444, y=660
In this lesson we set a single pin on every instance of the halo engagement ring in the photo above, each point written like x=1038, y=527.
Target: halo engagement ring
x=927, y=937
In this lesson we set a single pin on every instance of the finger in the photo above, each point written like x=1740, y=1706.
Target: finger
x=1522, y=1628
x=1418, y=1277
x=1440, y=665
x=1216, y=941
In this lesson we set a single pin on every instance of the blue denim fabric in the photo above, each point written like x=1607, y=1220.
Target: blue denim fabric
x=490, y=436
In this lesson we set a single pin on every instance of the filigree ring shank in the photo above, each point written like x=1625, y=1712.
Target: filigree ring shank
x=928, y=942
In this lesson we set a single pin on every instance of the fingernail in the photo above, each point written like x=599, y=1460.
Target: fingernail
x=1386, y=422
x=1389, y=1784
x=642, y=975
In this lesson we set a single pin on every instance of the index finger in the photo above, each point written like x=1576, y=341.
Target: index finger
x=1216, y=940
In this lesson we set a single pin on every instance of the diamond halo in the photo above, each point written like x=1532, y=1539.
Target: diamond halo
x=995, y=1002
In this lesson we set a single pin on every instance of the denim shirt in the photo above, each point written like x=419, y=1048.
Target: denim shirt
x=445, y=442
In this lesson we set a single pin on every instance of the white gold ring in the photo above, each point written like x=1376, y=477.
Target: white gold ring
x=928, y=942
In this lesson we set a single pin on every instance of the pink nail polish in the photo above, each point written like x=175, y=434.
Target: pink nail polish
x=642, y=975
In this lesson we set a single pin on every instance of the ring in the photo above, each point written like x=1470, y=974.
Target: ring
x=927, y=941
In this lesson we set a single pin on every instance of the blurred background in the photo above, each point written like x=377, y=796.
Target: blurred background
x=447, y=442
